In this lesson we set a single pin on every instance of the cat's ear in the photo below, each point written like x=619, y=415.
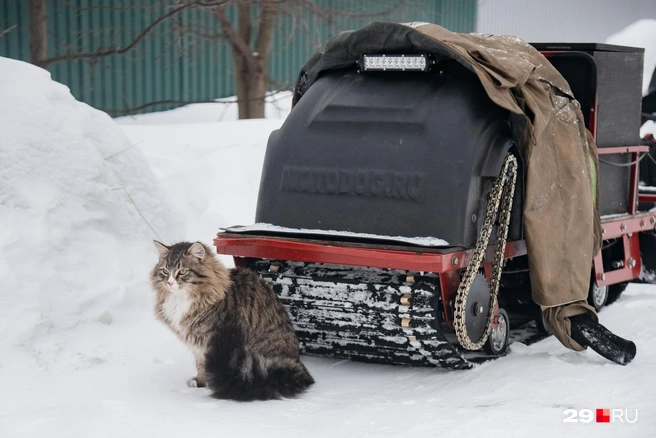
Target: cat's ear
x=197, y=250
x=163, y=249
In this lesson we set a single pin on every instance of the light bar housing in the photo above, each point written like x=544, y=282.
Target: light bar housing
x=394, y=62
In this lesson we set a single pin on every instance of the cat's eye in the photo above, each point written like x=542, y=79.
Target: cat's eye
x=183, y=271
x=164, y=271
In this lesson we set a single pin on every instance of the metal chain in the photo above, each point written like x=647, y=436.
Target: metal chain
x=502, y=193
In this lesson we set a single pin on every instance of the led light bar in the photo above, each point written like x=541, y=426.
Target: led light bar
x=394, y=62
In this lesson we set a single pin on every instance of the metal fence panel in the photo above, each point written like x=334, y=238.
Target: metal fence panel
x=170, y=64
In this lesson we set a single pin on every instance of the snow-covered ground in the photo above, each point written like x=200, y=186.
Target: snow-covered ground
x=81, y=354
x=223, y=110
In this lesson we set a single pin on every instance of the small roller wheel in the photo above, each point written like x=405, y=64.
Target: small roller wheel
x=497, y=342
x=598, y=295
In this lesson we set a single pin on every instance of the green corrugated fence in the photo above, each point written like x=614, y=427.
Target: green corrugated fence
x=185, y=58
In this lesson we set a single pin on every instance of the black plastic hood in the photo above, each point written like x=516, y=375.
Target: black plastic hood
x=387, y=153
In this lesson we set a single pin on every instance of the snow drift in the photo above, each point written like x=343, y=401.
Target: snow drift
x=78, y=206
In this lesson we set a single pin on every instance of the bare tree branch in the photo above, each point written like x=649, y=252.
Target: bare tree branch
x=197, y=34
x=244, y=21
x=141, y=36
x=9, y=29
x=325, y=12
x=132, y=110
x=237, y=44
x=122, y=7
x=265, y=29
x=249, y=36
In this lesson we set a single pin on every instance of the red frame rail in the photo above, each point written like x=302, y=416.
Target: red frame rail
x=633, y=178
x=375, y=256
x=447, y=264
x=626, y=226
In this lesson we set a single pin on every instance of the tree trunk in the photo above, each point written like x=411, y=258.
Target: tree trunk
x=251, y=88
x=38, y=33
x=251, y=63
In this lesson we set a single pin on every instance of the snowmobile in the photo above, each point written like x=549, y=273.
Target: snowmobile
x=401, y=145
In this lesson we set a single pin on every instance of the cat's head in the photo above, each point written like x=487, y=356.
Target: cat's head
x=182, y=268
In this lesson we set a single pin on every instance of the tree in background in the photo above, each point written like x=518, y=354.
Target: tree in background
x=246, y=25
x=38, y=32
x=250, y=51
x=250, y=40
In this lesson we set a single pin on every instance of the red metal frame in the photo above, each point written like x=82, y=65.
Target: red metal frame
x=449, y=282
x=630, y=265
x=623, y=150
x=279, y=248
x=618, y=226
x=648, y=198
x=633, y=178
x=448, y=264
x=626, y=226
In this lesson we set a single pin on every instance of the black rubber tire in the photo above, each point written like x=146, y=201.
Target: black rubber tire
x=493, y=346
x=648, y=255
x=615, y=290
x=597, y=295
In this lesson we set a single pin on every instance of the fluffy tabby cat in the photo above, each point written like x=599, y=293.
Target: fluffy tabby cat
x=239, y=332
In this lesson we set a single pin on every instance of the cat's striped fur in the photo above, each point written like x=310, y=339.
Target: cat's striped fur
x=239, y=332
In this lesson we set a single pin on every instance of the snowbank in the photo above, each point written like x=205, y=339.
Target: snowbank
x=79, y=209
x=211, y=171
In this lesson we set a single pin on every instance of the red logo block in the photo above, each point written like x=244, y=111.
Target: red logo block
x=603, y=415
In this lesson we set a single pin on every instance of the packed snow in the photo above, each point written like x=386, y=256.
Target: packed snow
x=81, y=353
x=222, y=110
x=270, y=228
x=77, y=204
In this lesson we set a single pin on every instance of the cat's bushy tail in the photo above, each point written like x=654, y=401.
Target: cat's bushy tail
x=233, y=373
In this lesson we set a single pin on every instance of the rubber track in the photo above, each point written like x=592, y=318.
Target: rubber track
x=355, y=313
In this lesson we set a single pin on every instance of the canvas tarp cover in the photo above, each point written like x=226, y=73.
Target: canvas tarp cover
x=561, y=218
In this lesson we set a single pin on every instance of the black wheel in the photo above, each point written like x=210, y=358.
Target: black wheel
x=648, y=255
x=615, y=290
x=539, y=322
x=497, y=342
x=598, y=295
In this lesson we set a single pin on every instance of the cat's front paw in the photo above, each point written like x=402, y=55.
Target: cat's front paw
x=196, y=382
